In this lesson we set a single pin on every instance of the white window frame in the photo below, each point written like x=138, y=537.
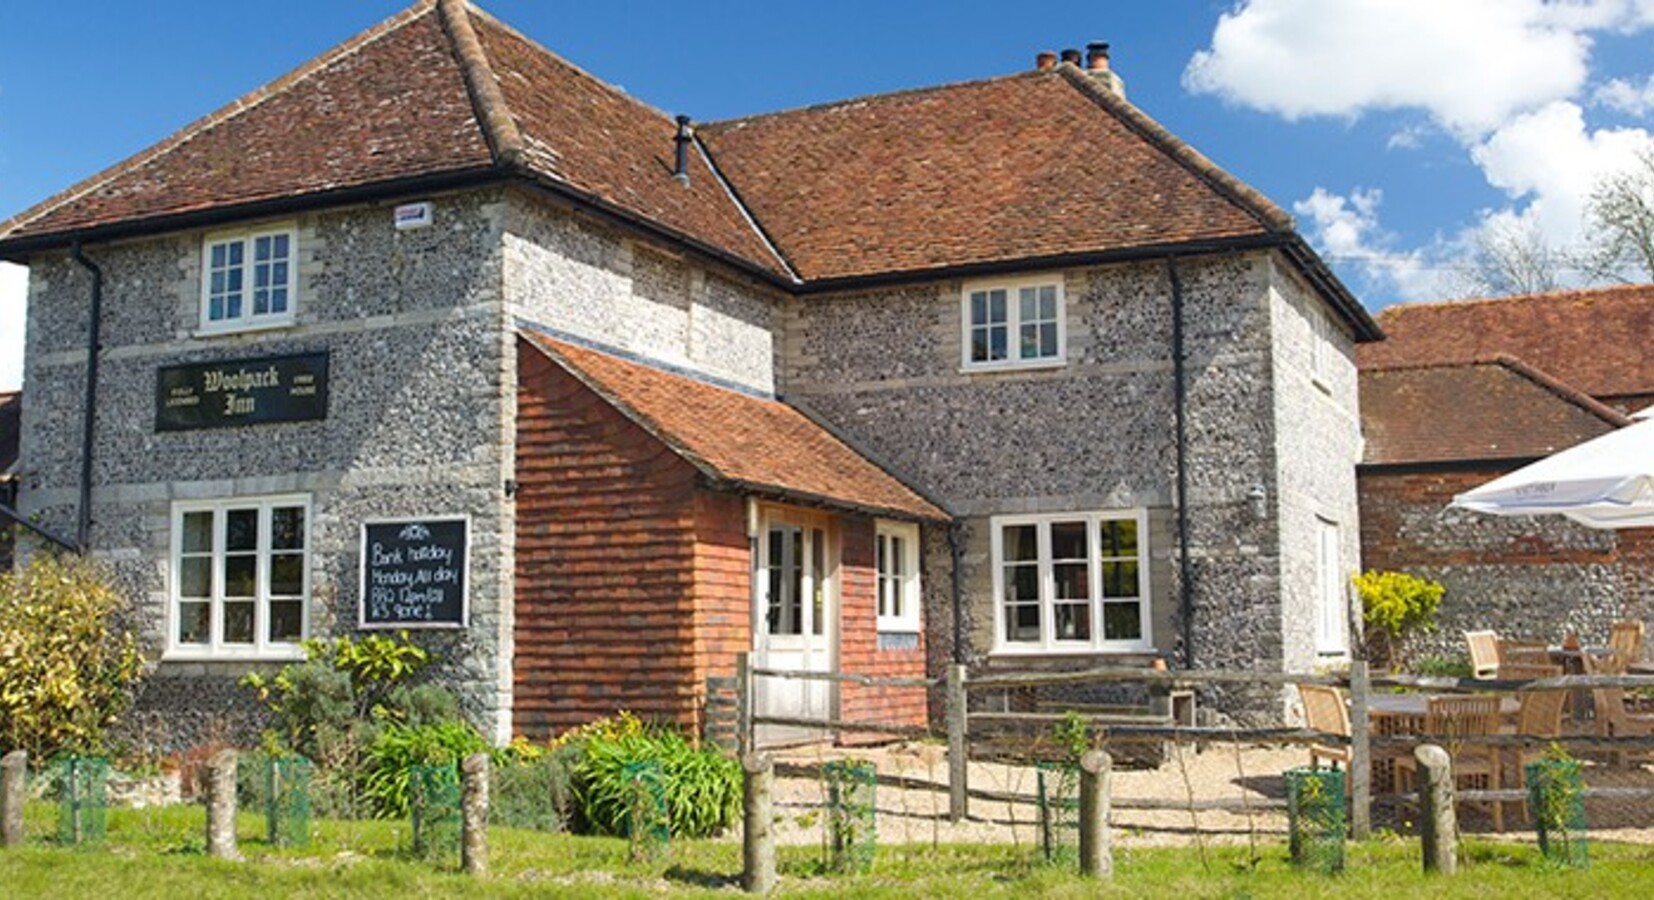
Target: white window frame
x=1013, y=324
x=1332, y=597
x=903, y=585
x=249, y=320
x=1048, y=644
x=262, y=648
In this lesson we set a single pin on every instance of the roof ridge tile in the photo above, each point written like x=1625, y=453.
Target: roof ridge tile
x=499, y=127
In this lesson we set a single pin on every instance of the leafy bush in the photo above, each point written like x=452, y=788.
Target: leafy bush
x=1393, y=605
x=533, y=788
x=67, y=668
x=1442, y=666
x=702, y=787
x=387, y=765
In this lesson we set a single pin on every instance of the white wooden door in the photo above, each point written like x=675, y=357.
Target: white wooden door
x=793, y=623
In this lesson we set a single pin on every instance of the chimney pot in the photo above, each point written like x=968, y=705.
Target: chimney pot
x=1096, y=56
x=1045, y=59
x=1071, y=56
x=680, y=170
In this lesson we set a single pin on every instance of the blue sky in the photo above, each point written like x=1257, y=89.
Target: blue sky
x=1393, y=129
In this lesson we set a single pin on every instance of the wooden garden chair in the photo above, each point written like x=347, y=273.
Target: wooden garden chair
x=1457, y=722
x=1613, y=718
x=1524, y=653
x=1484, y=653
x=1539, y=717
x=1625, y=639
x=1325, y=711
x=1509, y=671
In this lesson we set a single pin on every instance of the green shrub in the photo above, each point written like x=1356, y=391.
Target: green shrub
x=1393, y=605
x=1442, y=666
x=533, y=790
x=67, y=668
x=386, y=765
x=702, y=787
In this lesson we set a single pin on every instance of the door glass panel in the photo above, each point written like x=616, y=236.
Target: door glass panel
x=818, y=581
x=786, y=610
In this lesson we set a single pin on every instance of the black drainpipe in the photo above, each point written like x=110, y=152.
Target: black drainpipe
x=83, y=533
x=956, y=545
x=1180, y=399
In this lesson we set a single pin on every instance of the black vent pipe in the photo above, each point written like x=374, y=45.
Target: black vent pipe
x=83, y=532
x=681, y=171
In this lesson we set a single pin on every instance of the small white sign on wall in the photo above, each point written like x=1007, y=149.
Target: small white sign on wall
x=413, y=215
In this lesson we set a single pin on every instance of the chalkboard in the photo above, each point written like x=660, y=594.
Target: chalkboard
x=413, y=573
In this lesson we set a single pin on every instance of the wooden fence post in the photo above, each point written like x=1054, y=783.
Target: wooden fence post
x=473, y=810
x=758, y=831
x=1096, y=841
x=221, y=805
x=14, y=768
x=958, y=751
x=744, y=738
x=1439, y=824
x=1361, y=765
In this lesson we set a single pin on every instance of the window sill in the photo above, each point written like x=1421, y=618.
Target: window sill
x=188, y=655
x=1145, y=651
x=1043, y=365
x=218, y=331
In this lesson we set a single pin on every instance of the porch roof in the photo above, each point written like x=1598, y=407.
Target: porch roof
x=739, y=440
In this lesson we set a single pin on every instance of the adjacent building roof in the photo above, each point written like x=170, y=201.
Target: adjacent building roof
x=1491, y=409
x=1041, y=167
x=1596, y=340
x=11, y=411
x=738, y=439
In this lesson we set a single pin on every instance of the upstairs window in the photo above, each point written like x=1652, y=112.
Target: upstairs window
x=247, y=279
x=897, y=562
x=1012, y=324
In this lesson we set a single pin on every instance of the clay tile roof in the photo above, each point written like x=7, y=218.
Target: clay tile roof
x=1498, y=408
x=1038, y=164
x=11, y=410
x=1595, y=339
x=388, y=104
x=740, y=439
x=440, y=89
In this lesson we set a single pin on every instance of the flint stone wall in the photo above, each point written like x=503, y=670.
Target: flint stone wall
x=419, y=386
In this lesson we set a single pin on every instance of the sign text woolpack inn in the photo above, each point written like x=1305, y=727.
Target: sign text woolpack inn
x=241, y=392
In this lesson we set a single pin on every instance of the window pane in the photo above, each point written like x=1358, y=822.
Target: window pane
x=818, y=569
x=232, y=280
x=1021, y=583
x=197, y=532
x=979, y=308
x=217, y=282
x=278, y=274
x=194, y=623
x=1073, y=580
x=281, y=246
x=1048, y=339
x=195, y=577
x=1119, y=538
x=1122, y=622
x=261, y=302
x=236, y=250
x=261, y=276
x=1028, y=343
x=1048, y=302
x=217, y=253
x=1120, y=579
x=215, y=309
x=997, y=341
x=241, y=529
x=286, y=620
x=232, y=306
x=1073, y=622
x=996, y=306
x=1069, y=540
x=1022, y=622
x=261, y=248
x=241, y=576
x=1020, y=543
x=287, y=528
x=286, y=575
x=238, y=623
x=1028, y=304
x=278, y=300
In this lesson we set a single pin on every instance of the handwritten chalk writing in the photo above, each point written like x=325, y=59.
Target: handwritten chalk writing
x=413, y=573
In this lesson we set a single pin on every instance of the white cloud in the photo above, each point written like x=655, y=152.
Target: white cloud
x=1470, y=63
x=1346, y=228
x=14, y=286
x=1626, y=96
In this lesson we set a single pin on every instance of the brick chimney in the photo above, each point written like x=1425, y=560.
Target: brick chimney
x=1045, y=59
x=1096, y=63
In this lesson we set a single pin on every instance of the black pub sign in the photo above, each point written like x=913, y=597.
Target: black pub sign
x=235, y=392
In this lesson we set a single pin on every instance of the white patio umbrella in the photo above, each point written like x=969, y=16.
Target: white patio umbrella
x=1606, y=482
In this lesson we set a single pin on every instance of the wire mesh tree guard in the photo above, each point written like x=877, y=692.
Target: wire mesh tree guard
x=851, y=816
x=434, y=811
x=83, y=800
x=1058, y=799
x=1556, y=799
x=648, y=820
x=1315, y=818
x=287, y=800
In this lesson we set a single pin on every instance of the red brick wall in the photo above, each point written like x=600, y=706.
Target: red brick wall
x=859, y=651
x=723, y=584
x=605, y=562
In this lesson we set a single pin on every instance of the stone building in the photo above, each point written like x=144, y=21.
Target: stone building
x=440, y=330
x=1462, y=392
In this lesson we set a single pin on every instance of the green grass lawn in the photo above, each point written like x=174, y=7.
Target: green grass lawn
x=158, y=853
